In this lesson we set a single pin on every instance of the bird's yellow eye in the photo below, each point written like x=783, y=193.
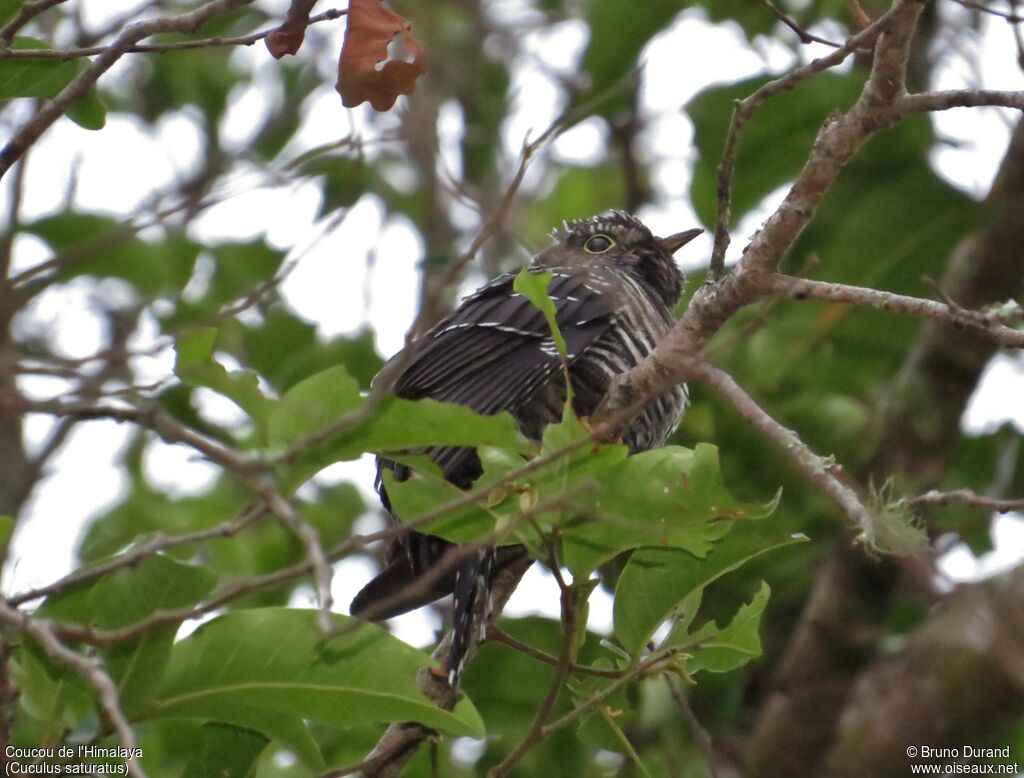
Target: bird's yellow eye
x=598, y=244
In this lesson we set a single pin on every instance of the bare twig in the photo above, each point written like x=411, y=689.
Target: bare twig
x=837, y=142
x=80, y=85
x=860, y=18
x=563, y=667
x=805, y=289
x=90, y=669
x=801, y=33
x=820, y=472
x=924, y=102
x=495, y=635
x=937, y=499
x=649, y=665
x=699, y=733
x=744, y=110
x=1013, y=18
x=161, y=48
x=28, y=11
x=148, y=548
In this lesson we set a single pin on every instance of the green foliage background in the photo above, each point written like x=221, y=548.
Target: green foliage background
x=258, y=691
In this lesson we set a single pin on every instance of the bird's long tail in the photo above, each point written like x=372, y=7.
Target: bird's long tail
x=470, y=609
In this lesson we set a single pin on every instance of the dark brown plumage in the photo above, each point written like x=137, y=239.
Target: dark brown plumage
x=614, y=286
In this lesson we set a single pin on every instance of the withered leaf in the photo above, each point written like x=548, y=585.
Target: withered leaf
x=287, y=38
x=371, y=28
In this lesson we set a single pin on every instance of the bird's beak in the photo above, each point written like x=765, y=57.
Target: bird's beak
x=675, y=242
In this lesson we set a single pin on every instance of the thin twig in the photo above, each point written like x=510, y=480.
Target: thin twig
x=820, y=472
x=90, y=669
x=1010, y=17
x=492, y=224
x=496, y=635
x=647, y=665
x=28, y=11
x=806, y=289
x=80, y=85
x=566, y=659
x=157, y=543
x=937, y=499
x=699, y=733
x=160, y=48
x=801, y=33
x=744, y=110
x=924, y=102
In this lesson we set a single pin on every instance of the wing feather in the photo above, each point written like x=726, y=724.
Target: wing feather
x=494, y=353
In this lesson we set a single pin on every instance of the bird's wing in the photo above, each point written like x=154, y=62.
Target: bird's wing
x=495, y=351
x=492, y=354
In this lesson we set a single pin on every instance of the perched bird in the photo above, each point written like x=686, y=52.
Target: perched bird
x=614, y=286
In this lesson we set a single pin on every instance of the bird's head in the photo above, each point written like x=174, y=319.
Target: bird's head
x=621, y=239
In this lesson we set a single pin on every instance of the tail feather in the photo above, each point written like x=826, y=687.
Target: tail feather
x=398, y=589
x=470, y=609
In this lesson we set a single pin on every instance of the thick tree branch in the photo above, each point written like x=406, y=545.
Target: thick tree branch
x=914, y=439
x=955, y=681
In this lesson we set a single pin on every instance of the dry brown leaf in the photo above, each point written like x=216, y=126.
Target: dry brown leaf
x=371, y=27
x=287, y=38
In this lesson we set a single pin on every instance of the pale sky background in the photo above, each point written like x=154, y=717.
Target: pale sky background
x=335, y=285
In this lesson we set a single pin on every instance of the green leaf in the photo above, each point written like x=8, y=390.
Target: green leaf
x=312, y=405
x=535, y=286
x=670, y=496
x=275, y=661
x=421, y=493
x=194, y=365
x=51, y=699
x=46, y=78
x=8, y=8
x=6, y=530
x=401, y=424
x=101, y=246
x=395, y=424
x=238, y=269
x=127, y=596
x=224, y=751
x=284, y=349
x=578, y=192
x=33, y=77
x=656, y=581
x=722, y=650
x=89, y=113
x=617, y=38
